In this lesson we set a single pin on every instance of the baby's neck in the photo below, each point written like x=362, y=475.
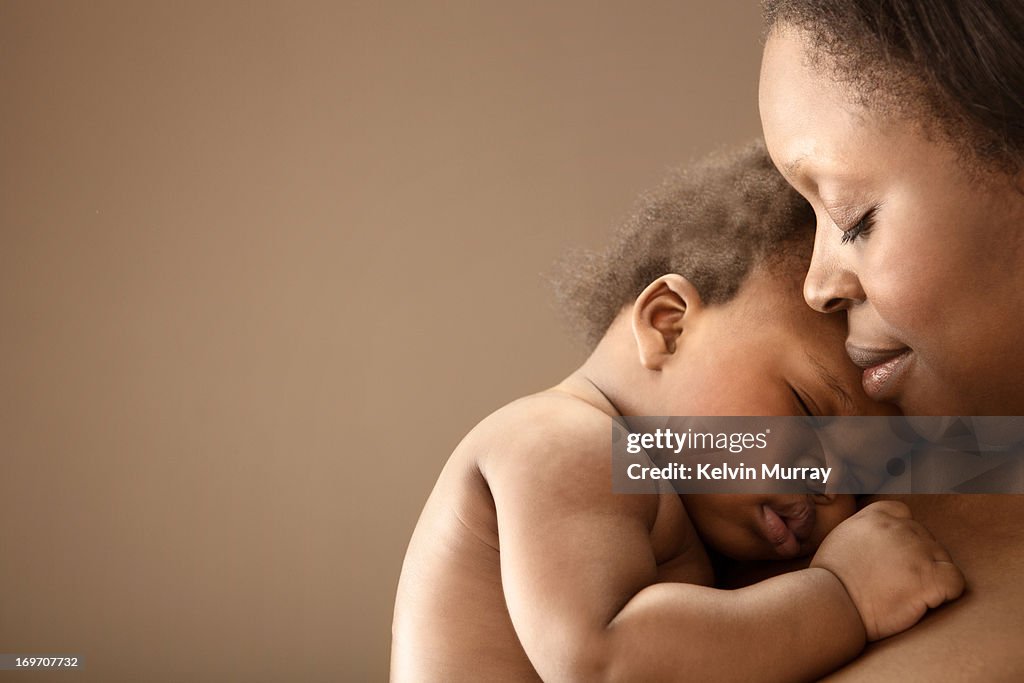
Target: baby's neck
x=581, y=386
x=612, y=379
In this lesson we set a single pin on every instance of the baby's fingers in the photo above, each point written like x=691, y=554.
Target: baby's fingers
x=947, y=583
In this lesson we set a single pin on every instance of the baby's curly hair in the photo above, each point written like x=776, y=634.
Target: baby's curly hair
x=711, y=222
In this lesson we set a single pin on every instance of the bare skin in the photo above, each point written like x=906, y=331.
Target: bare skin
x=921, y=254
x=451, y=618
x=978, y=637
x=937, y=280
x=525, y=565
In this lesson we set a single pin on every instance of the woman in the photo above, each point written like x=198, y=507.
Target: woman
x=902, y=122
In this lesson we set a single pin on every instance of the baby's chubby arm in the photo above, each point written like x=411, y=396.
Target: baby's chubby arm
x=579, y=576
x=891, y=566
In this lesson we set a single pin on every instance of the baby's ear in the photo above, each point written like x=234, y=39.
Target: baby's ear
x=659, y=315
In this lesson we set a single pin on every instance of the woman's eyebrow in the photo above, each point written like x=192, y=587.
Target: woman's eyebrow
x=839, y=392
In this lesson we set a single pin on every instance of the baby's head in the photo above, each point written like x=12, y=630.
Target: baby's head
x=697, y=310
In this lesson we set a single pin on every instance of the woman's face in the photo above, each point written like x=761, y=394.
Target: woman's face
x=927, y=259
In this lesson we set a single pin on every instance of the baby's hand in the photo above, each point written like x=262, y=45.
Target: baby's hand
x=891, y=566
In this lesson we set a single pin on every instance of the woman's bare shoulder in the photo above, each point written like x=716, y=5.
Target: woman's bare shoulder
x=979, y=636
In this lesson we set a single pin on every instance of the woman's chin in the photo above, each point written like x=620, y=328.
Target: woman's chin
x=937, y=399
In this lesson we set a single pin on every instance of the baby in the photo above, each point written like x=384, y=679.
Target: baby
x=524, y=565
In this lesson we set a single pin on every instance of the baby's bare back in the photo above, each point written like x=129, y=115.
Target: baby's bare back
x=451, y=622
x=451, y=619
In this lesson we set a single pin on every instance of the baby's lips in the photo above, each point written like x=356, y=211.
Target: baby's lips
x=779, y=534
x=801, y=525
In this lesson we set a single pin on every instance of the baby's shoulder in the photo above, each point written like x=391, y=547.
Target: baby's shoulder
x=543, y=424
x=551, y=430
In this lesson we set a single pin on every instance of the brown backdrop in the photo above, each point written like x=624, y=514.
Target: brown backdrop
x=263, y=265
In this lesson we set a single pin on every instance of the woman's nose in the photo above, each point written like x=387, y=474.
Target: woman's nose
x=830, y=285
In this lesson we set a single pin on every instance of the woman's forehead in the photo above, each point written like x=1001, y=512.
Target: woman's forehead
x=796, y=102
x=815, y=131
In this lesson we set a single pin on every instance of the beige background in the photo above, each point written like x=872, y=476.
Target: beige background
x=263, y=265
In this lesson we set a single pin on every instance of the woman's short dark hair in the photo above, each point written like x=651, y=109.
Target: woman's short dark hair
x=711, y=222
x=960, y=63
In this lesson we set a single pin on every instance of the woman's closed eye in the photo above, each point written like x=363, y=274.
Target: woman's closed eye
x=804, y=408
x=861, y=228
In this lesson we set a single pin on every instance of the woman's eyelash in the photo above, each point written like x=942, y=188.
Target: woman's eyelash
x=800, y=400
x=862, y=228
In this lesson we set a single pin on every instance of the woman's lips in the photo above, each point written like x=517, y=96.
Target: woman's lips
x=884, y=369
